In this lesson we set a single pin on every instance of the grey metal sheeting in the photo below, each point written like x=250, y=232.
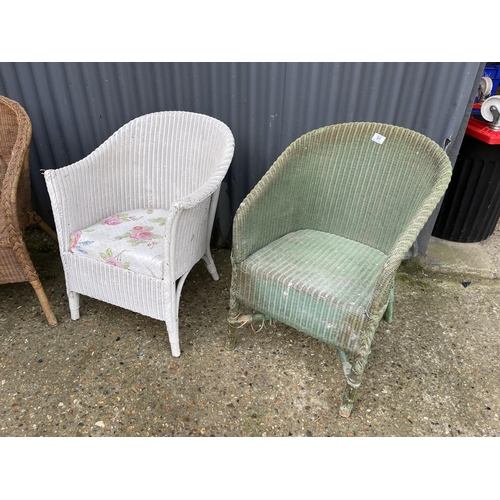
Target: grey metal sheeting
x=76, y=106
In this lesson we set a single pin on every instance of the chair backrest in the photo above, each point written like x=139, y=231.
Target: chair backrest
x=160, y=157
x=8, y=133
x=338, y=179
x=15, y=138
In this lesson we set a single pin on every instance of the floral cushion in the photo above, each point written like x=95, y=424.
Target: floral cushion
x=130, y=240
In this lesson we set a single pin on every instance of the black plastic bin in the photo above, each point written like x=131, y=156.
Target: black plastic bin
x=471, y=206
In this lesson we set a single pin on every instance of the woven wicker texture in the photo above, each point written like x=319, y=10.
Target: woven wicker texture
x=296, y=277
x=317, y=242
x=16, y=212
x=169, y=160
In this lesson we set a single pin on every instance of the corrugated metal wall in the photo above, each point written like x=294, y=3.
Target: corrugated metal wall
x=74, y=107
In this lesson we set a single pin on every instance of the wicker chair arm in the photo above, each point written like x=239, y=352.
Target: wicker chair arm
x=79, y=196
x=404, y=242
x=267, y=213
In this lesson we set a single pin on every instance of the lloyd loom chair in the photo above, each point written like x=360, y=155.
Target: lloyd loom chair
x=318, y=241
x=16, y=212
x=135, y=215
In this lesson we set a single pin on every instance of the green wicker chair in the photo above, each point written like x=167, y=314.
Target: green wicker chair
x=318, y=241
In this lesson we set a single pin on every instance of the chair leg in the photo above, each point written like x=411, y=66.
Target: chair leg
x=175, y=349
x=388, y=311
x=234, y=324
x=173, y=313
x=209, y=262
x=74, y=304
x=231, y=336
x=354, y=375
x=44, y=302
x=348, y=401
x=173, y=337
x=36, y=220
x=47, y=230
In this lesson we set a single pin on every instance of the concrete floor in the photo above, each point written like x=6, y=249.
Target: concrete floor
x=434, y=371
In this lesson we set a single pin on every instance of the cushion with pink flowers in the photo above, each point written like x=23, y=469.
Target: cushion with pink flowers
x=131, y=240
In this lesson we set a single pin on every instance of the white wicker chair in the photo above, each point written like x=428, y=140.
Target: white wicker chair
x=136, y=215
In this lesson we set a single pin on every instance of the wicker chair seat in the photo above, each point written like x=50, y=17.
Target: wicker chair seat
x=319, y=283
x=131, y=240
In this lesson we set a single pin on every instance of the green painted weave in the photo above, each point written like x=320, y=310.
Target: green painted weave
x=318, y=241
x=295, y=278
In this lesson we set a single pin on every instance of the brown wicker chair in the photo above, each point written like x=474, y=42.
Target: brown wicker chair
x=16, y=211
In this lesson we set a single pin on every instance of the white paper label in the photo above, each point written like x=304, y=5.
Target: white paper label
x=379, y=139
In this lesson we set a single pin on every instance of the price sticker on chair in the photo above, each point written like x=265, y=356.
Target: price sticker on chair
x=379, y=139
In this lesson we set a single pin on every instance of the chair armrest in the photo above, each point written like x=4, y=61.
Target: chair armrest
x=79, y=196
x=189, y=226
x=402, y=244
x=267, y=213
